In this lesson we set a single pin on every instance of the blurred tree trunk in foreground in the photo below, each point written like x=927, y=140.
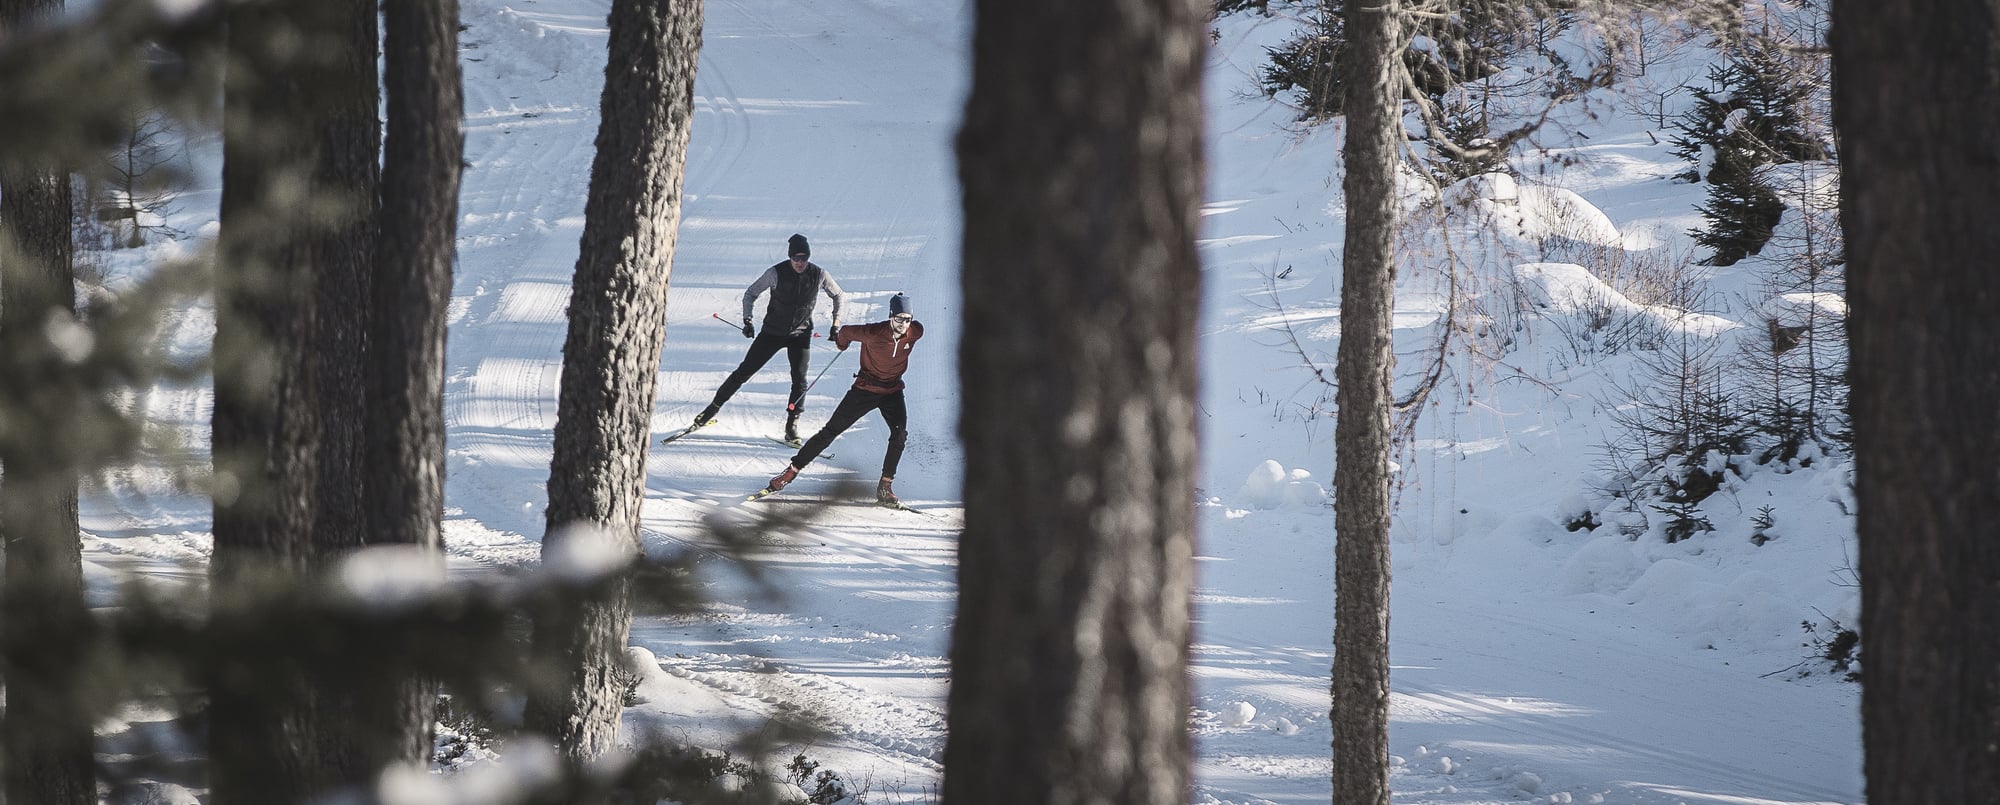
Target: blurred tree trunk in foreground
x=301, y=141
x=391, y=719
x=45, y=743
x=1082, y=176
x=1914, y=106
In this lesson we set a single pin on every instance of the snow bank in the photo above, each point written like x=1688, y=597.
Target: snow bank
x=1530, y=215
x=1571, y=289
x=1271, y=486
x=1605, y=564
x=1801, y=309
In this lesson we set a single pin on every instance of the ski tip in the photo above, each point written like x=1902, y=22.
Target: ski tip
x=687, y=430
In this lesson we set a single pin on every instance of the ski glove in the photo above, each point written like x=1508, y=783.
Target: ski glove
x=747, y=331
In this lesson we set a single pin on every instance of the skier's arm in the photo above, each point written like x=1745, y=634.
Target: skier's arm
x=832, y=290
x=763, y=283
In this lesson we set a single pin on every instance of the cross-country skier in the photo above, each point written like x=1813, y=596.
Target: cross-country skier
x=795, y=285
x=885, y=354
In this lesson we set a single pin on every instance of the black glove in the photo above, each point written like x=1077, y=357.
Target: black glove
x=747, y=331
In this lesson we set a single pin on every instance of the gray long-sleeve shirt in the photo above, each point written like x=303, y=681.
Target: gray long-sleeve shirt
x=794, y=295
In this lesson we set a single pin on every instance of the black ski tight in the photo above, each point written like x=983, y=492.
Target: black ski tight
x=761, y=351
x=852, y=407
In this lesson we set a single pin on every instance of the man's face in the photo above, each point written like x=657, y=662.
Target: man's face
x=900, y=324
x=798, y=262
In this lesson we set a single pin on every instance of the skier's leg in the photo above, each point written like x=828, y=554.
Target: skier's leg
x=850, y=409
x=797, y=350
x=760, y=353
x=897, y=416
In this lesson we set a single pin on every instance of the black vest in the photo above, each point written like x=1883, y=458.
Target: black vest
x=793, y=299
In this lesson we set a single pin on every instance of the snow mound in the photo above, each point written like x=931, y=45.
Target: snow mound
x=655, y=684
x=1605, y=564
x=1570, y=289
x=1800, y=309
x=1237, y=714
x=1271, y=486
x=1532, y=214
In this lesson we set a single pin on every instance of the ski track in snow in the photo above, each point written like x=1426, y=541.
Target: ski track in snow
x=760, y=166
x=912, y=732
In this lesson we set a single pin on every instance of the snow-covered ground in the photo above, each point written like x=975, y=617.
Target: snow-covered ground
x=1531, y=663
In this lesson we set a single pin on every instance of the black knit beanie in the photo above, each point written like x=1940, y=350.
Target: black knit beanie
x=900, y=305
x=798, y=247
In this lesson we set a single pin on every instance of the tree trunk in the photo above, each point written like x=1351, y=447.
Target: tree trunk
x=611, y=357
x=45, y=741
x=1360, y=712
x=391, y=718
x=1918, y=187
x=348, y=98
x=300, y=144
x=1082, y=176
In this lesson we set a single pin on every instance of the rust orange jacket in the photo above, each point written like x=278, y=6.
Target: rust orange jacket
x=884, y=357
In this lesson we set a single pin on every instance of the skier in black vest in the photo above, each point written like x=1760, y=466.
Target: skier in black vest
x=795, y=286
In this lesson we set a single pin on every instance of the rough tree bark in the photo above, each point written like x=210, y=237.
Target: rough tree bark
x=1360, y=712
x=300, y=144
x=611, y=357
x=45, y=741
x=1913, y=91
x=1082, y=174
x=348, y=99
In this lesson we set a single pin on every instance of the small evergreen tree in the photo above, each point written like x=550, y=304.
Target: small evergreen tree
x=1741, y=212
x=1466, y=41
x=1753, y=114
x=1679, y=413
x=1797, y=371
x=1306, y=67
x=1232, y=6
x=1474, y=152
x=1777, y=89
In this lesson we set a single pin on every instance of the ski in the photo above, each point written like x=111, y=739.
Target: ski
x=687, y=430
x=796, y=445
x=901, y=507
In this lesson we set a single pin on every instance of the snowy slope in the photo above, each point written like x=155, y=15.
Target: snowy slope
x=1531, y=663
x=791, y=134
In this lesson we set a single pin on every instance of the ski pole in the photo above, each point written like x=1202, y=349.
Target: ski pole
x=725, y=322
x=794, y=404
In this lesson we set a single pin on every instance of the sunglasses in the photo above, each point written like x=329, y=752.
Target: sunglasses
x=906, y=318
x=798, y=258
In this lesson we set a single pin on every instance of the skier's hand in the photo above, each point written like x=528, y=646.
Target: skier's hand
x=748, y=332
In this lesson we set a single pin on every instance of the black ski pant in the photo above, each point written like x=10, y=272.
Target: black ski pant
x=852, y=407
x=762, y=349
